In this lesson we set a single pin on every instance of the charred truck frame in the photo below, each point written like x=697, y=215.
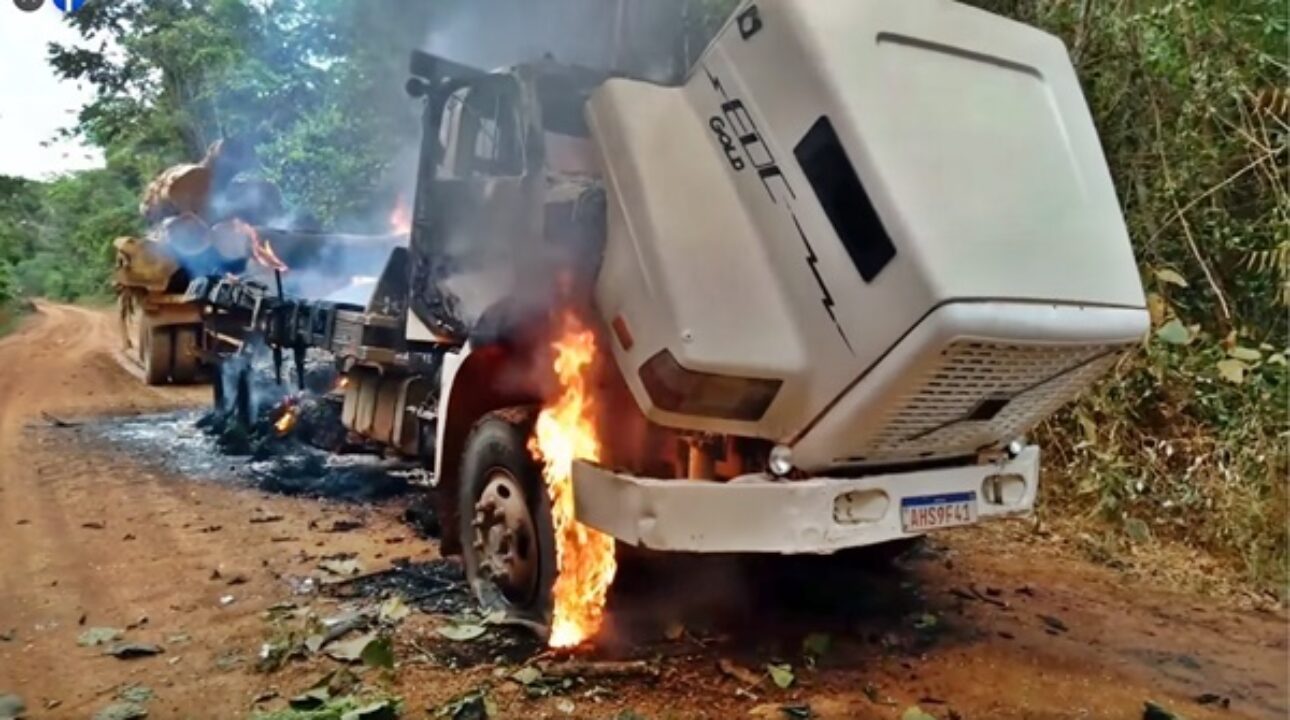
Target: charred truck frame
x=839, y=271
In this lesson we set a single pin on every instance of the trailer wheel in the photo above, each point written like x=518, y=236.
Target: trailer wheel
x=128, y=314
x=187, y=358
x=158, y=354
x=508, y=544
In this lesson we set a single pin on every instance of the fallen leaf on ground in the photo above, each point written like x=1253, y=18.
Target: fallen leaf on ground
x=349, y=650
x=916, y=713
x=781, y=675
x=273, y=655
x=394, y=610
x=99, y=636
x=378, y=653
x=527, y=675
x=343, y=568
x=461, y=632
x=311, y=699
x=129, y=651
x=475, y=705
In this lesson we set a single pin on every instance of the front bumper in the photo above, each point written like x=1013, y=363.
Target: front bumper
x=755, y=513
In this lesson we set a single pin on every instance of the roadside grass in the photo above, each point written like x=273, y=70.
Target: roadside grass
x=11, y=314
x=1175, y=452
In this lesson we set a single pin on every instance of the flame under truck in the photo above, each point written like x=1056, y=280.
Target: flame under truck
x=838, y=272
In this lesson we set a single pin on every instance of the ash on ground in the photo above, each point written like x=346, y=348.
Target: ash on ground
x=287, y=465
x=266, y=435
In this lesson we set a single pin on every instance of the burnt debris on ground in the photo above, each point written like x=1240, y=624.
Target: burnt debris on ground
x=286, y=466
x=266, y=435
x=439, y=587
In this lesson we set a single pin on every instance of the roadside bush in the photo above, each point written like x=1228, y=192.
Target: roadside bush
x=8, y=283
x=1187, y=440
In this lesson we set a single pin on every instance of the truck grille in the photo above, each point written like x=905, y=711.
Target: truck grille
x=982, y=393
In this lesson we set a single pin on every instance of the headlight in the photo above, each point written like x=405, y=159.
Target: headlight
x=675, y=389
x=781, y=460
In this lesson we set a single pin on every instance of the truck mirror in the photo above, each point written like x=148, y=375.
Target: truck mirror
x=416, y=87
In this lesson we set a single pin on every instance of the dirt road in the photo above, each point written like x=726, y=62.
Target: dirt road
x=979, y=625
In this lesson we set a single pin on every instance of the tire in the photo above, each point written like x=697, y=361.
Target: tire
x=128, y=314
x=187, y=358
x=495, y=541
x=158, y=354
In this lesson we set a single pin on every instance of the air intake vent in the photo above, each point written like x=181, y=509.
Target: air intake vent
x=981, y=393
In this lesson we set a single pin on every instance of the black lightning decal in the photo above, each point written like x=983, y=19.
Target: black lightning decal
x=716, y=82
x=813, y=261
x=738, y=118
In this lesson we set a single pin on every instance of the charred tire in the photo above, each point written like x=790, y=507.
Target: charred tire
x=507, y=541
x=158, y=354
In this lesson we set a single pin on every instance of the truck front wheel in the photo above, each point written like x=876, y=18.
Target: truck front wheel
x=507, y=542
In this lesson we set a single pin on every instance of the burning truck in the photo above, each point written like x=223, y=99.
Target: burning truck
x=809, y=299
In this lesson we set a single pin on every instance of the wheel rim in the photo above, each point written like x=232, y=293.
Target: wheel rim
x=505, y=539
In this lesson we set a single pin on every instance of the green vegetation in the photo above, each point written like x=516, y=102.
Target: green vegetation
x=1185, y=442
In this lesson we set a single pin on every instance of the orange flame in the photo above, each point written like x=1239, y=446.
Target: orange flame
x=401, y=216
x=261, y=250
x=287, y=421
x=565, y=432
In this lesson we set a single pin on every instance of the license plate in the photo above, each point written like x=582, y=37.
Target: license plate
x=932, y=512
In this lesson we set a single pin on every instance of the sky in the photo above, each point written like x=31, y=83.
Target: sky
x=34, y=103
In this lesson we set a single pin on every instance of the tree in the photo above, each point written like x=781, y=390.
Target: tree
x=305, y=82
